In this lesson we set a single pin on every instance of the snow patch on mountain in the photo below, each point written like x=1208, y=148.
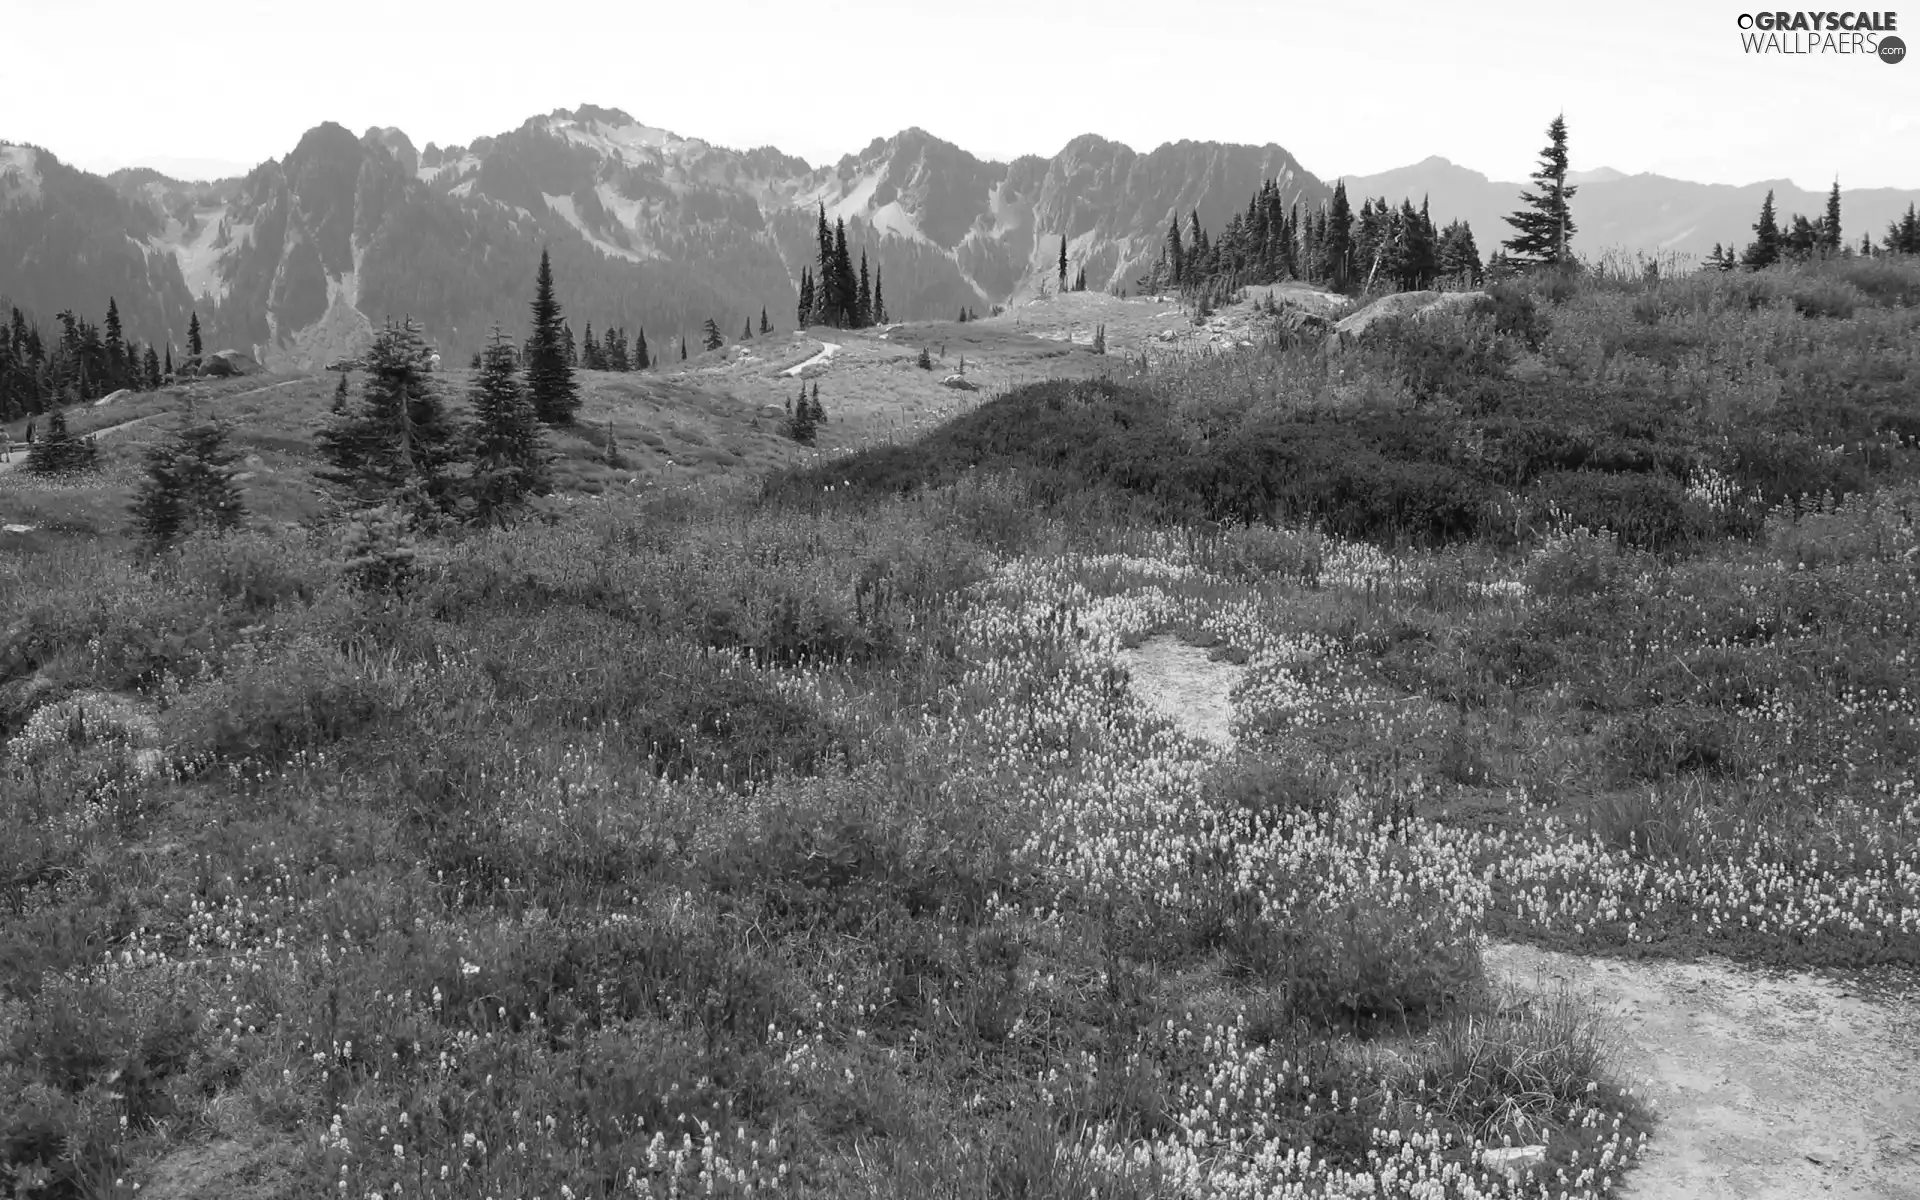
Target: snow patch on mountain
x=564, y=206
x=199, y=258
x=19, y=174
x=892, y=218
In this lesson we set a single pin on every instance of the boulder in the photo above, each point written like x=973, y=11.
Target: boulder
x=1408, y=305
x=1514, y=1159
x=960, y=383
x=231, y=362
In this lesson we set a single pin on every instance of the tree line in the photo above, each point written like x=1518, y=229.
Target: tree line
x=1273, y=241
x=1801, y=239
x=831, y=292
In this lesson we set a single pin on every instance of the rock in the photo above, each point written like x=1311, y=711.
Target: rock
x=1407, y=305
x=1514, y=1159
x=113, y=398
x=1168, y=335
x=1302, y=323
x=960, y=383
x=231, y=362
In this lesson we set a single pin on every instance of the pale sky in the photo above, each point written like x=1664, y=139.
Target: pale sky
x=1646, y=85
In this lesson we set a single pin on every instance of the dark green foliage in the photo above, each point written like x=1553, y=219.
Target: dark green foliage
x=550, y=385
x=766, y=326
x=712, y=340
x=801, y=424
x=924, y=361
x=1765, y=248
x=746, y=331
x=58, y=451
x=1544, y=229
x=194, y=346
x=189, y=486
x=510, y=452
x=399, y=440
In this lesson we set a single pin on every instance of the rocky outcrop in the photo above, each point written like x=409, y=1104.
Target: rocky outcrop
x=1401, y=306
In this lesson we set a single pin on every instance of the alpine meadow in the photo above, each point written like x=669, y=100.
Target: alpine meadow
x=589, y=664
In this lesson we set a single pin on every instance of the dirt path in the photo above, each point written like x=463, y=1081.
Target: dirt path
x=19, y=453
x=1765, y=1085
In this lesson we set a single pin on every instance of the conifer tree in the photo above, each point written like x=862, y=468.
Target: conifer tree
x=1063, y=262
x=189, y=486
x=510, y=454
x=879, y=300
x=863, y=307
x=819, y=413
x=846, y=288
x=766, y=326
x=805, y=314
x=746, y=330
x=1765, y=248
x=1336, y=241
x=1175, y=253
x=1831, y=229
x=826, y=281
x=801, y=425
x=150, y=369
x=399, y=440
x=193, y=334
x=167, y=370
x=573, y=351
x=117, y=374
x=556, y=398
x=713, y=340
x=683, y=347
x=640, y=360
x=1459, y=258
x=340, y=395
x=616, y=351
x=590, y=351
x=1544, y=229
x=58, y=451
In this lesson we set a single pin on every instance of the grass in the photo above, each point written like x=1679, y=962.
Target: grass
x=811, y=840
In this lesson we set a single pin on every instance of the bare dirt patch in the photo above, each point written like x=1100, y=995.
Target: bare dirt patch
x=1763, y=1084
x=1185, y=684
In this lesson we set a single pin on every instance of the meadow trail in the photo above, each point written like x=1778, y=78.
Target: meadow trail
x=1764, y=1085
x=19, y=454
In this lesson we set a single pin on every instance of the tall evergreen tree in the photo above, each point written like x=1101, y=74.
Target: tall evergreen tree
x=826, y=282
x=189, y=486
x=683, y=347
x=1544, y=229
x=1831, y=229
x=640, y=359
x=399, y=441
x=193, y=334
x=1765, y=248
x=1176, y=254
x=713, y=340
x=1458, y=257
x=846, y=288
x=746, y=330
x=556, y=398
x=1336, y=242
x=863, y=308
x=766, y=326
x=167, y=370
x=510, y=454
x=805, y=313
x=590, y=351
x=117, y=374
x=573, y=351
x=879, y=300
x=150, y=369
x=1063, y=262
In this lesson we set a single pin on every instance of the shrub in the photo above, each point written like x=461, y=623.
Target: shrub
x=1646, y=511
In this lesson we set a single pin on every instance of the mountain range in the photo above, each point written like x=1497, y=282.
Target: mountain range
x=649, y=230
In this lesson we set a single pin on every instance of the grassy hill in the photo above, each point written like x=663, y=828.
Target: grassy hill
x=753, y=816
